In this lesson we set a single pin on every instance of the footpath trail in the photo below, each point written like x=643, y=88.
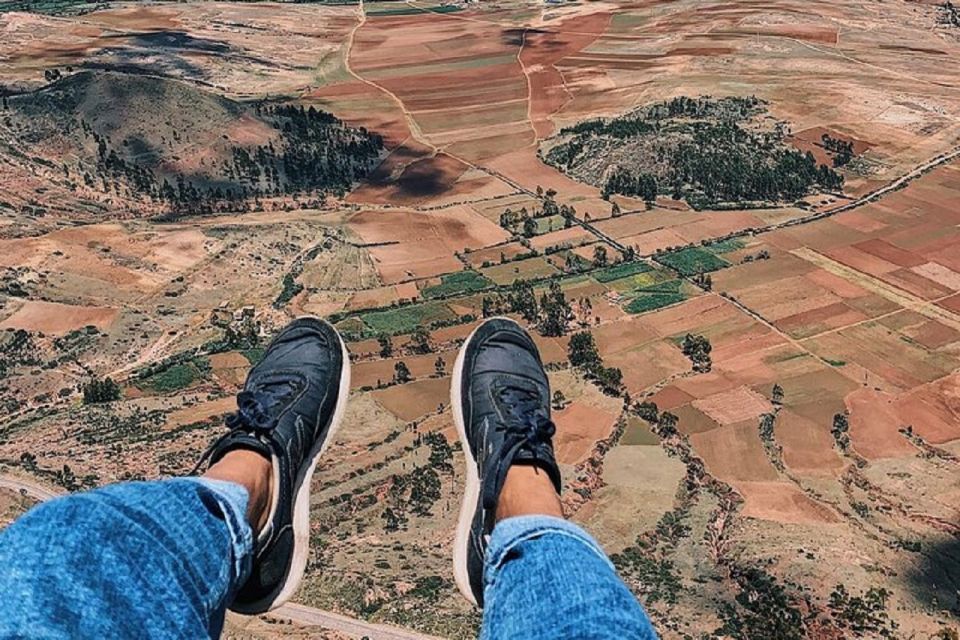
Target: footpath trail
x=298, y=613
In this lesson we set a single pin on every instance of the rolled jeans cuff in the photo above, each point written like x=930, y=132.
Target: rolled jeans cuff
x=232, y=499
x=510, y=532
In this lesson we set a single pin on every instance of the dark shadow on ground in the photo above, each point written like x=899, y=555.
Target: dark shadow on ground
x=935, y=578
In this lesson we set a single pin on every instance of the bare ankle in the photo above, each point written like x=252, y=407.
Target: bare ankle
x=253, y=472
x=528, y=491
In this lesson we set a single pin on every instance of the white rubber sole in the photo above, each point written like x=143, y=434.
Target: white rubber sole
x=301, y=504
x=471, y=493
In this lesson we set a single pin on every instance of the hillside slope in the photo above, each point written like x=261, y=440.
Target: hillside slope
x=122, y=140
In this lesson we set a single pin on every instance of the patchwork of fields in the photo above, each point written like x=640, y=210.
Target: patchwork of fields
x=818, y=447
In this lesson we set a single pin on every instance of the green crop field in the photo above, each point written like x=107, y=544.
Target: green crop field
x=406, y=319
x=457, y=283
x=548, y=224
x=622, y=271
x=650, y=301
x=667, y=286
x=690, y=262
x=175, y=377
x=641, y=281
x=727, y=246
x=407, y=11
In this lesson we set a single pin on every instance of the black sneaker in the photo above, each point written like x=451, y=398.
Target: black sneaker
x=289, y=410
x=501, y=406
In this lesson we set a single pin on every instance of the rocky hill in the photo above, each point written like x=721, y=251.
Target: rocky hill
x=710, y=152
x=154, y=144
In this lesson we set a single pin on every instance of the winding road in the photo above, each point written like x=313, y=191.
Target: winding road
x=293, y=612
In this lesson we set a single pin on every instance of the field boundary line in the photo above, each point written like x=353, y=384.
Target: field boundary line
x=890, y=292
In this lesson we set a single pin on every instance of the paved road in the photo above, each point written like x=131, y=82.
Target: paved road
x=294, y=612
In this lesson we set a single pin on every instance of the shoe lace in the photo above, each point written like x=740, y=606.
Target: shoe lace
x=527, y=425
x=252, y=415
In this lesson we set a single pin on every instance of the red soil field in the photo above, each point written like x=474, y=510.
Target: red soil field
x=579, y=426
x=541, y=50
x=423, y=244
x=55, y=318
x=808, y=446
x=369, y=373
x=494, y=254
x=734, y=453
x=933, y=410
x=874, y=425
x=670, y=397
x=415, y=399
x=573, y=236
x=783, y=502
x=736, y=405
x=201, y=412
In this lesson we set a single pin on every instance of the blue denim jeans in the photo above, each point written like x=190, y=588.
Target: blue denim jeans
x=163, y=559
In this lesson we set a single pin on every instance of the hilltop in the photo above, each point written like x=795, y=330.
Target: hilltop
x=153, y=144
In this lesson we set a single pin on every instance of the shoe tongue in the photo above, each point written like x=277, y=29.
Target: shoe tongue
x=522, y=405
x=268, y=395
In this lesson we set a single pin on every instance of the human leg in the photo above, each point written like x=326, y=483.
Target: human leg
x=255, y=495
x=536, y=575
x=133, y=560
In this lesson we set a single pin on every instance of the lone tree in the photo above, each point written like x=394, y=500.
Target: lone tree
x=440, y=367
x=97, y=391
x=698, y=349
x=648, y=411
x=401, y=374
x=667, y=425
x=559, y=400
x=386, y=345
x=582, y=351
x=840, y=431
x=600, y=256
x=556, y=311
x=420, y=340
x=523, y=300
x=776, y=395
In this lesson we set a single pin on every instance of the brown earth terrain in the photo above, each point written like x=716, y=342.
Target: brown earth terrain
x=756, y=505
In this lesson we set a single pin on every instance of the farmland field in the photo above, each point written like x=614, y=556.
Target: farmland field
x=751, y=208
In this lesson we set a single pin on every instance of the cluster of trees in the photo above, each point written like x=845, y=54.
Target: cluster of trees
x=841, y=431
x=401, y=373
x=100, y=390
x=551, y=314
x=524, y=222
x=763, y=254
x=728, y=163
x=864, y=614
x=703, y=150
x=697, y=348
x=313, y=153
x=950, y=14
x=842, y=150
x=624, y=127
x=583, y=355
x=17, y=349
x=704, y=281
x=622, y=181
x=764, y=609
